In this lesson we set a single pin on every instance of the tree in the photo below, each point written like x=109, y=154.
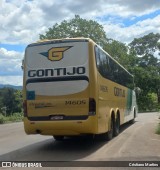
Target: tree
x=146, y=48
x=147, y=44
x=121, y=53
x=10, y=99
x=18, y=101
x=77, y=27
x=138, y=58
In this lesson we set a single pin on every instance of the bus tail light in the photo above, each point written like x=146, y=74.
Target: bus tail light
x=25, y=108
x=92, y=106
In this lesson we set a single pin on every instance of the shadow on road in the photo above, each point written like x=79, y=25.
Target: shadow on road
x=127, y=125
x=69, y=149
x=50, y=150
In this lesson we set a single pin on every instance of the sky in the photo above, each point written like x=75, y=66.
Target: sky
x=21, y=22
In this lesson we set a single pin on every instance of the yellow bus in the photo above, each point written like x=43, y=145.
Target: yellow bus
x=73, y=87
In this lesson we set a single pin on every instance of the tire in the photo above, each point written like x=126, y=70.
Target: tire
x=58, y=138
x=116, y=127
x=111, y=132
x=108, y=135
x=133, y=120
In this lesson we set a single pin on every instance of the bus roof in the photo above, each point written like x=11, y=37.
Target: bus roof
x=52, y=41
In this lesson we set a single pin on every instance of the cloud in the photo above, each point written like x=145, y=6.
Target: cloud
x=10, y=63
x=4, y=54
x=13, y=80
x=25, y=20
x=139, y=7
x=126, y=34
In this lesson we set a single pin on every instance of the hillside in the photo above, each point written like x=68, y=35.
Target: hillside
x=10, y=86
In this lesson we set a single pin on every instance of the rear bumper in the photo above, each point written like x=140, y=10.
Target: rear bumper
x=67, y=127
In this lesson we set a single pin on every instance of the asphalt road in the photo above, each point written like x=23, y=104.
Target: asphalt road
x=136, y=142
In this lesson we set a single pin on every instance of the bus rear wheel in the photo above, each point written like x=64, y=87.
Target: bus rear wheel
x=111, y=131
x=116, y=127
x=133, y=120
x=108, y=135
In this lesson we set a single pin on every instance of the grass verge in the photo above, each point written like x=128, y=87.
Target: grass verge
x=16, y=117
x=158, y=129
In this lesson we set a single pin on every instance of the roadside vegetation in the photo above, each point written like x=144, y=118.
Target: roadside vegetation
x=10, y=105
x=16, y=117
x=140, y=57
x=158, y=129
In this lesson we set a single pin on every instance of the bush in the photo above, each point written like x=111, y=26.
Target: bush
x=2, y=119
x=158, y=129
x=147, y=102
x=16, y=117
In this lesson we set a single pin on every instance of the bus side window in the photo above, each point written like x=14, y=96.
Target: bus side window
x=97, y=53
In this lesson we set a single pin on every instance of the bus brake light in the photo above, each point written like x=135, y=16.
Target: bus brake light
x=92, y=106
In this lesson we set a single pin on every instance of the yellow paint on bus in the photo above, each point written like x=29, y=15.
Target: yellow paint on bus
x=73, y=87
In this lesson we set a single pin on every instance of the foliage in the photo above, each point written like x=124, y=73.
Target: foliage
x=10, y=101
x=158, y=129
x=147, y=102
x=16, y=117
x=120, y=52
x=77, y=27
x=147, y=70
x=147, y=44
x=2, y=119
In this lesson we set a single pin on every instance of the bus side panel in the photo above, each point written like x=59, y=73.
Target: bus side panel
x=112, y=97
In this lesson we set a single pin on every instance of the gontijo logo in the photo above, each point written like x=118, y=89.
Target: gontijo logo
x=55, y=53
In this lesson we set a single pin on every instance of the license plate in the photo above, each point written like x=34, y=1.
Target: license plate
x=57, y=117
